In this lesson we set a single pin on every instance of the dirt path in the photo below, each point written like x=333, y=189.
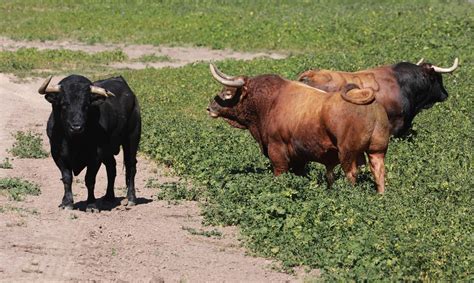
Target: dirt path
x=179, y=56
x=147, y=243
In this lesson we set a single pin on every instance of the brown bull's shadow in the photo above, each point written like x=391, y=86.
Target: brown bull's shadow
x=108, y=206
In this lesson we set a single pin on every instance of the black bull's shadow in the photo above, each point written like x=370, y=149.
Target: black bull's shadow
x=108, y=206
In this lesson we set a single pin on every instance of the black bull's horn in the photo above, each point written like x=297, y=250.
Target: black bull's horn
x=446, y=70
x=45, y=88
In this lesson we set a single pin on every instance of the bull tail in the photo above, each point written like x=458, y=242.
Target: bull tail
x=353, y=94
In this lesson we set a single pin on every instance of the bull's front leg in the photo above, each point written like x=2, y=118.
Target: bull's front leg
x=278, y=156
x=68, y=201
x=91, y=173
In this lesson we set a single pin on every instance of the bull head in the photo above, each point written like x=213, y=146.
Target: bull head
x=229, y=102
x=226, y=80
x=46, y=88
x=71, y=100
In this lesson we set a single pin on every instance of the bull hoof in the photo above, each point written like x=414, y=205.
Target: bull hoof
x=92, y=208
x=68, y=206
x=131, y=201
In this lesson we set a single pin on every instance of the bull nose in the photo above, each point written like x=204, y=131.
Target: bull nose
x=211, y=113
x=76, y=128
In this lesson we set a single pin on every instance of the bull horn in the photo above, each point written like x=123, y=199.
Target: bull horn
x=45, y=87
x=225, y=80
x=420, y=62
x=447, y=70
x=222, y=75
x=101, y=91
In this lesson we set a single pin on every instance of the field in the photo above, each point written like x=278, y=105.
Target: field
x=421, y=229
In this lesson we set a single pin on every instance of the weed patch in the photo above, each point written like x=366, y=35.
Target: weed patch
x=6, y=164
x=211, y=233
x=17, y=188
x=176, y=191
x=152, y=58
x=28, y=145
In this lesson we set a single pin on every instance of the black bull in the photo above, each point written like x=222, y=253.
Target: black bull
x=88, y=124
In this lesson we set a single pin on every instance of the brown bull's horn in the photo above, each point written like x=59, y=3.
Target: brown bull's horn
x=222, y=75
x=421, y=61
x=224, y=80
x=45, y=87
x=101, y=91
x=447, y=70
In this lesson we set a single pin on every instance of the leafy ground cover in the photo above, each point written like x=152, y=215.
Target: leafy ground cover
x=242, y=25
x=28, y=145
x=421, y=229
x=17, y=188
x=31, y=61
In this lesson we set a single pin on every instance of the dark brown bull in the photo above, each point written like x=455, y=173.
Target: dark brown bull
x=294, y=123
x=404, y=89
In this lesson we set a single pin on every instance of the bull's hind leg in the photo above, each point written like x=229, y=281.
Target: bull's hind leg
x=130, y=160
x=130, y=148
x=110, y=165
x=330, y=175
x=378, y=170
x=91, y=173
x=349, y=166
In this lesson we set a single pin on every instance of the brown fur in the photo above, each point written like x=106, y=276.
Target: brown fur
x=381, y=80
x=295, y=124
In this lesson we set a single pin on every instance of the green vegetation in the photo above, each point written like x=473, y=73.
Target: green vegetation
x=28, y=145
x=27, y=61
x=17, y=188
x=212, y=233
x=421, y=229
x=6, y=164
x=244, y=25
x=20, y=210
x=176, y=191
x=152, y=58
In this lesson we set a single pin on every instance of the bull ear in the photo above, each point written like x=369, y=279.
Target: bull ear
x=97, y=99
x=243, y=93
x=52, y=97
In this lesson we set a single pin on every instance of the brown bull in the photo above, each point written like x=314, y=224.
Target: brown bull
x=404, y=89
x=295, y=124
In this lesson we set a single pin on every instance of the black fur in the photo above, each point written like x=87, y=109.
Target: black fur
x=420, y=88
x=86, y=130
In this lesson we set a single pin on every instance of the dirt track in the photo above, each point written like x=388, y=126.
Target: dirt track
x=147, y=243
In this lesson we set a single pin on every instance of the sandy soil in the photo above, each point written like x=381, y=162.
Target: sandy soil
x=179, y=56
x=146, y=243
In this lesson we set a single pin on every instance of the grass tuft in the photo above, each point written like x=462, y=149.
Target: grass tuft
x=17, y=188
x=28, y=145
